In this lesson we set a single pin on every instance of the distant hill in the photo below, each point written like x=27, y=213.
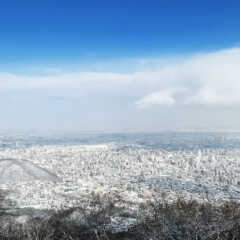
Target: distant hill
x=14, y=170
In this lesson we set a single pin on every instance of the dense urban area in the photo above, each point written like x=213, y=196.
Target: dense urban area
x=47, y=173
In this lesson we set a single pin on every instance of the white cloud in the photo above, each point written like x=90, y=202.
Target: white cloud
x=205, y=79
x=161, y=97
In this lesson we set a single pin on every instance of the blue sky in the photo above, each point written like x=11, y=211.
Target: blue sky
x=119, y=65
x=67, y=31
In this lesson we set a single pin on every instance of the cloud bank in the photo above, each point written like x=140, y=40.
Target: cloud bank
x=207, y=79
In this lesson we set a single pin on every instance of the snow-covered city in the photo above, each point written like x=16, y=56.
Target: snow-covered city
x=54, y=176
